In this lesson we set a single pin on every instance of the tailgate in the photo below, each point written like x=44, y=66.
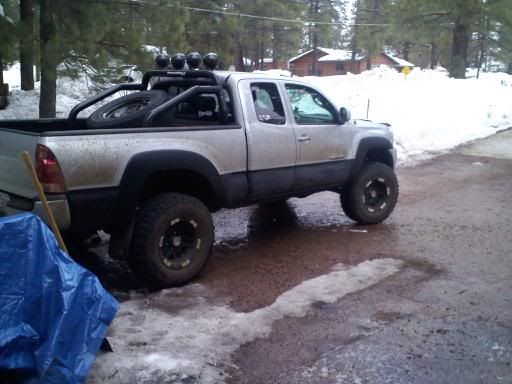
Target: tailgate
x=14, y=177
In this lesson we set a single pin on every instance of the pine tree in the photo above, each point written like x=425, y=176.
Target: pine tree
x=7, y=47
x=27, y=39
x=49, y=59
x=372, y=32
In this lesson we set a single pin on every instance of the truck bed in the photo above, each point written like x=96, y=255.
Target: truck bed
x=43, y=125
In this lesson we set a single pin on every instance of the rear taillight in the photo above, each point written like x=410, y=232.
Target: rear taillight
x=48, y=171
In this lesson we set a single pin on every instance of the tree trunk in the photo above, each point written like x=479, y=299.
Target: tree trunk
x=509, y=69
x=459, y=56
x=27, y=15
x=483, y=40
x=354, y=43
x=459, y=51
x=275, y=45
x=49, y=60
x=433, y=56
x=406, y=50
x=481, y=55
x=240, y=58
x=316, y=10
x=262, y=56
x=1, y=69
x=4, y=88
x=38, y=67
x=369, y=60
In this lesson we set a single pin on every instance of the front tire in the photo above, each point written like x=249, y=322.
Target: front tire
x=172, y=240
x=373, y=194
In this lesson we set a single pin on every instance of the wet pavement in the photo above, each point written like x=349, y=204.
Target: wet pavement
x=445, y=318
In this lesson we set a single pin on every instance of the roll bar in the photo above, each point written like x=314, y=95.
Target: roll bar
x=182, y=97
x=185, y=74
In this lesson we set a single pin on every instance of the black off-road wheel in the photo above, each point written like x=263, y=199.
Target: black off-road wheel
x=127, y=111
x=373, y=194
x=172, y=240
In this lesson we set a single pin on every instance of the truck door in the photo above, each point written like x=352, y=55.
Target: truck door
x=271, y=143
x=322, y=143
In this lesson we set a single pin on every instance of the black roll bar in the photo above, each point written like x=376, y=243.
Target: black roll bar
x=100, y=96
x=187, y=74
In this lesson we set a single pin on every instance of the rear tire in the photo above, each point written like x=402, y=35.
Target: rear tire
x=172, y=240
x=373, y=194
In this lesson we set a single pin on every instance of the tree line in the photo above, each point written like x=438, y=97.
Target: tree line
x=90, y=36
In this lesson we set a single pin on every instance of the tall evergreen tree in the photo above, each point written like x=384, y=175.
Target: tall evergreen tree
x=49, y=59
x=27, y=50
x=372, y=31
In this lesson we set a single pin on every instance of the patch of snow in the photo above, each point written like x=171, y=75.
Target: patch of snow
x=154, y=49
x=3, y=15
x=401, y=62
x=276, y=72
x=177, y=335
x=337, y=55
x=331, y=55
x=25, y=104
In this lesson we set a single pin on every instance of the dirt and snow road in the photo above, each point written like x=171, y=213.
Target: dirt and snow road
x=295, y=293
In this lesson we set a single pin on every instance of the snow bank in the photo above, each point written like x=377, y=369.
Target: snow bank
x=429, y=112
x=177, y=336
x=25, y=104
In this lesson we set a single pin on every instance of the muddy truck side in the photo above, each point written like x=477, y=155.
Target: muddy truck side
x=149, y=167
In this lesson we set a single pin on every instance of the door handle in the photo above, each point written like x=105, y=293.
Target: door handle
x=304, y=139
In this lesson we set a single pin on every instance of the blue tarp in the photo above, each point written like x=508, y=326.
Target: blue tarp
x=54, y=314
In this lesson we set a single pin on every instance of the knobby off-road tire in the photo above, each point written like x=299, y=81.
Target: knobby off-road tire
x=127, y=111
x=373, y=194
x=172, y=240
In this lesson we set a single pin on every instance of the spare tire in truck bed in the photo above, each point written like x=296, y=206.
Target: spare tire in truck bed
x=128, y=111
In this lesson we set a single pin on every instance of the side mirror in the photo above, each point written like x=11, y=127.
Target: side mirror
x=344, y=115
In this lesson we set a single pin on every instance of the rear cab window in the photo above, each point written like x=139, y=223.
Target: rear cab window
x=197, y=110
x=267, y=103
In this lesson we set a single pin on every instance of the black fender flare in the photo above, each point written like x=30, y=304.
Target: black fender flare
x=366, y=145
x=144, y=164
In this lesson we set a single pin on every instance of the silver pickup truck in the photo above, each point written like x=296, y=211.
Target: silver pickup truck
x=149, y=167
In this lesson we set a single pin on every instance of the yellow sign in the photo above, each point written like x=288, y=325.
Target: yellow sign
x=406, y=71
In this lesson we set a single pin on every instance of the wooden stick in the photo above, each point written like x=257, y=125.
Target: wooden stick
x=42, y=197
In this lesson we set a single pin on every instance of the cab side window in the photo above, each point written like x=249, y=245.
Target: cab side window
x=267, y=103
x=310, y=107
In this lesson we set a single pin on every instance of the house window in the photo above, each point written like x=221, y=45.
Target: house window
x=340, y=67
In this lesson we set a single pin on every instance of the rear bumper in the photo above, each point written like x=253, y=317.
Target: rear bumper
x=58, y=205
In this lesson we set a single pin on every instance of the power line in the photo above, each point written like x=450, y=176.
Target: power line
x=239, y=14
x=195, y=9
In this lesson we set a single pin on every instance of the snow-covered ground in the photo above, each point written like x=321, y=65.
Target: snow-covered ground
x=177, y=336
x=25, y=104
x=429, y=112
